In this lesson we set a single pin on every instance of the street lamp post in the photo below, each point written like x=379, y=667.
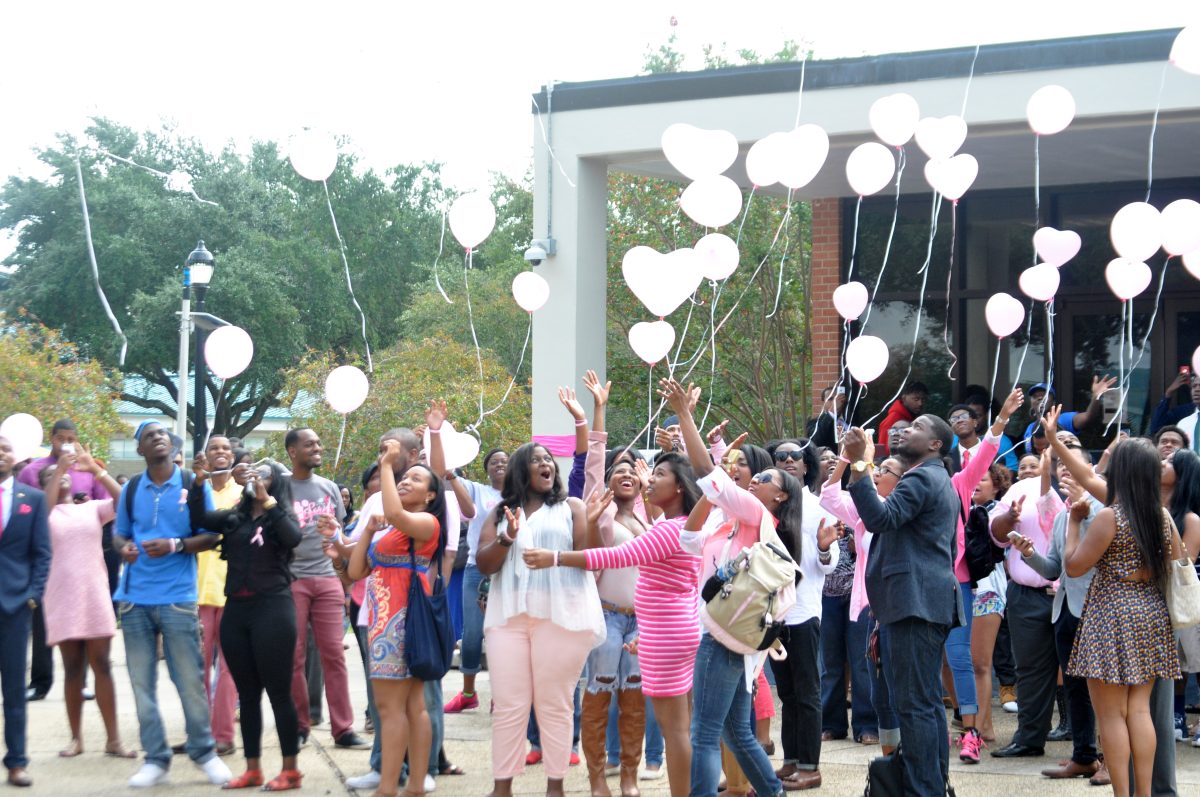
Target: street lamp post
x=200, y=265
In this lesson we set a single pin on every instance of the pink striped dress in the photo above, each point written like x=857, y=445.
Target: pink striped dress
x=666, y=604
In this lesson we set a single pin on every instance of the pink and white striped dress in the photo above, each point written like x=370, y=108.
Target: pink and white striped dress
x=665, y=602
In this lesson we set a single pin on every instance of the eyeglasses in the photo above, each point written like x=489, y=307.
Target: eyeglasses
x=887, y=472
x=960, y=416
x=763, y=478
x=784, y=456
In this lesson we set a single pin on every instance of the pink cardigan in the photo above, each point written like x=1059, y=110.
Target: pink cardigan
x=964, y=483
x=837, y=502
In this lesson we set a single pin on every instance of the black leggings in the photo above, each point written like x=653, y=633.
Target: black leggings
x=258, y=636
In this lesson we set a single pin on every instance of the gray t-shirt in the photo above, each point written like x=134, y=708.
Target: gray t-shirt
x=312, y=497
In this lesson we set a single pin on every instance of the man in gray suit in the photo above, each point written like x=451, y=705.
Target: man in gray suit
x=912, y=588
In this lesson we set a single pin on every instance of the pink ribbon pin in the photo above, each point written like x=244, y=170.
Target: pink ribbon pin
x=257, y=539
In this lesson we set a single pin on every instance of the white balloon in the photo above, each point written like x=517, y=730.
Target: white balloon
x=939, y=137
x=1196, y=361
x=1137, y=231
x=652, y=340
x=1185, y=52
x=1050, y=110
x=459, y=448
x=313, y=154
x=1056, y=246
x=1127, y=278
x=180, y=181
x=764, y=160
x=1004, y=314
x=717, y=256
x=24, y=432
x=894, y=118
x=869, y=168
x=697, y=152
x=712, y=201
x=866, y=358
x=661, y=282
x=850, y=300
x=472, y=217
x=952, y=177
x=1191, y=261
x=1040, y=282
x=228, y=351
x=530, y=290
x=1181, y=226
x=346, y=388
x=804, y=152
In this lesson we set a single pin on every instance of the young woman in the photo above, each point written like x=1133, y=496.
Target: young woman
x=540, y=624
x=1181, y=497
x=78, y=607
x=1125, y=641
x=987, y=609
x=415, y=511
x=259, y=619
x=665, y=601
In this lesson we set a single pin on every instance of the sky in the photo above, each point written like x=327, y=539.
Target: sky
x=451, y=82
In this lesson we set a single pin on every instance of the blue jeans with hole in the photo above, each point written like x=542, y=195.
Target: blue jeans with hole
x=721, y=711
x=610, y=660
x=179, y=626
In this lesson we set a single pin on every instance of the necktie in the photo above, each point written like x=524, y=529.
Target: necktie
x=966, y=458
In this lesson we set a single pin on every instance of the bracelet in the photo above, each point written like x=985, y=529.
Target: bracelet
x=556, y=558
x=434, y=431
x=824, y=556
x=102, y=474
x=842, y=458
x=504, y=540
x=582, y=422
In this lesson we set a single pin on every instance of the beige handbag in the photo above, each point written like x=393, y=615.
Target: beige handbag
x=1183, y=585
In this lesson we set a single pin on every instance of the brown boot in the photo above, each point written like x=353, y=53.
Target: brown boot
x=631, y=725
x=593, y=728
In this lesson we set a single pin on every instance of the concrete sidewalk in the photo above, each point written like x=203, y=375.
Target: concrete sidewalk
x=326, y=767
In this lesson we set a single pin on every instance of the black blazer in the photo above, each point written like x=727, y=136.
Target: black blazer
x=24, y=549
x=910, y=570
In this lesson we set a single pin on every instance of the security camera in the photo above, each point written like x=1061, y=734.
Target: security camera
x=535, y=254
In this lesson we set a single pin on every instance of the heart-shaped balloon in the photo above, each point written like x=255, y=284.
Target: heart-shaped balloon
x=869, y=168
x=1040, y=282
x=1191, y=261
x=697, y=152
x=952, y=177
x=1136, y=231
x=661, y=282
x=1127, y=278
x=1181, y=226
x=712, y=201
x=472, y=217
x=939, y=137
x=803, y=153
x=1056, y=246
x=717, y=255
x=530, y=290
x=652, y=340
x=894, y=118
x=1185, y=54
x=850, y=300
x=866, y=358
x=459, y=448
x=1050, y=110
x=1004, y=314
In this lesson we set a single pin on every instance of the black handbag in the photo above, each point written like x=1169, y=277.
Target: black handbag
x=428, y=632
x=885, y=776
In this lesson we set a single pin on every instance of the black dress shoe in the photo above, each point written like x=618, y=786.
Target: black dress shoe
x=32, y=694
x=1016, y=750
x=1060, y=734
x=351, y=740
x=179, y=749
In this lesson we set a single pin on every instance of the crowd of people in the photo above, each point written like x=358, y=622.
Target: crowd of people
x=915, y=574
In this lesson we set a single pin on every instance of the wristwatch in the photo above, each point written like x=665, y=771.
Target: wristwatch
x=270, y=503
x=862, y=466
x=32, y=603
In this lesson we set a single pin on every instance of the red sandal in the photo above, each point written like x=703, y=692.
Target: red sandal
x=247, y=780
x=286, y=780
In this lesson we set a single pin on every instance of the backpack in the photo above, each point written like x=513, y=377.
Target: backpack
x=885, y=776
x=981, y=554
x=746, y=600
x=186, y=476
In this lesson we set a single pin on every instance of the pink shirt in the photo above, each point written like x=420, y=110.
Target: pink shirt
x=1036, y=523
x=740, y=506
x=965, y=482
x=838, y=503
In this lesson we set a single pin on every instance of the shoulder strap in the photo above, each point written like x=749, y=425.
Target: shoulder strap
x=130, y=487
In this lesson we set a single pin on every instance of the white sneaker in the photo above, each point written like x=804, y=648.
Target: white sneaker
x=149, y=775
x=1010, y=707
x=214, y=768
x=430, y=783
x=367, y=781
x=652, y=774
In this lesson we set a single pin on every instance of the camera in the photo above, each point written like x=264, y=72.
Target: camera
x=539, y=250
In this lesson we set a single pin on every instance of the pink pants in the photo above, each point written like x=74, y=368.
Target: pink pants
x=320, y=600
x=223, y=702
x=764, y=701
x=536, y=663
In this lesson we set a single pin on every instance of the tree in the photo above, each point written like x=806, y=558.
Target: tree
x=406, y=377
x=45, y=376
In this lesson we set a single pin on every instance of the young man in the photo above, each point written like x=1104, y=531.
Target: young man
x=157, y=599
x=1042, y=396
x=910, y=404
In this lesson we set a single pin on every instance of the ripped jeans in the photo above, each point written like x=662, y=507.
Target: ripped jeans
x=610, y=666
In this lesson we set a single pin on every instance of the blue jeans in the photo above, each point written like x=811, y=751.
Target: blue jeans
x=843, y=642
x=454, y=594
x=472, y=633
x=958, y=654
x=881, y=696
x=721, y=711
x=654, y=738
x=610, y=660
x=534, y=735
x=914, y=670
x=437, y=722
x=179, y=626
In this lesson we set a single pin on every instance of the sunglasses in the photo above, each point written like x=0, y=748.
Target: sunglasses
x=784, y=456
x=762, y=478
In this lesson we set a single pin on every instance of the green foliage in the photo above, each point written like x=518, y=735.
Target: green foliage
x=45, y=376
x=407, y=376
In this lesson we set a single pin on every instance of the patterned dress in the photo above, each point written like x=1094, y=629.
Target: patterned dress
x=1125, y=632
x=387, y=597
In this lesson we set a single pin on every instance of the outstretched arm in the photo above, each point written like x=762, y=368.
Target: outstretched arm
x=683, y=401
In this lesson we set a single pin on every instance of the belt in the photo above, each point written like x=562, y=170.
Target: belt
x=612, y=607
x=1038, y=590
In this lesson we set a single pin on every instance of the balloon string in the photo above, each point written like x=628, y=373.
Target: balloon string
x=970, y=78
x=649, y=403
x=787, y=239
x=800, y=92
x=528, y=334
x=1028, y=340
x=712, y=371
x=546, y=141
x=1154, y=129
x=1162, y=278
x=1127, y=319
x=887, y=249
x=672, y=364
x=91, y=250
x=995, y=371
x=341, y=439
x=854, y=239
x=949, y=280
x=349, y=282
x=162, y=175
x=441, y=247
x=745, y=214
x=468, y=264
x=1037, y=189
x=1049, y=344
x=216, y=412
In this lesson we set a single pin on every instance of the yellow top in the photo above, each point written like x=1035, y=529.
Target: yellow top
x=210, y=567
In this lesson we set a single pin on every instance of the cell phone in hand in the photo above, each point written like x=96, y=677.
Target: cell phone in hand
x=1014, y=536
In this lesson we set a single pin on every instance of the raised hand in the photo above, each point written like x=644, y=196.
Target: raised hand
x=1014, y=511
x=599, y=392
x=1081, y=509
x=1023, y=544
x=1101, y=385
x=566, y=395
x=200, y=467
x=597, y=503
x=436, y=415
x=1013, y=403
x=827, y=535
x=66, y=462
x=663, y=440
x=1050, y=421
x=854, y=443
x=679, y=398
x=717, y=433
x=391, y=453
x=514, y=523
x=642, y=471
x=85, y=461
x=1181, y=379
x=738, y=441
x=869, y=449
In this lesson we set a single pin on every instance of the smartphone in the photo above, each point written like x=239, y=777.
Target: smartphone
x=1013, y=536
x=1185, y=369
x=841, y=391
x=67, y=448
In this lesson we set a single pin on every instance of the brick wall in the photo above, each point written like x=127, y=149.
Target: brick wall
x=826, y=273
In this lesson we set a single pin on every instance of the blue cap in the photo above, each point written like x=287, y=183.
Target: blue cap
x=672, y=420
x=137, y=434
x=1043, y=386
